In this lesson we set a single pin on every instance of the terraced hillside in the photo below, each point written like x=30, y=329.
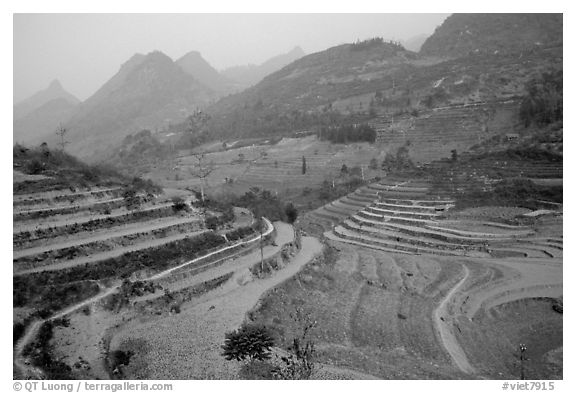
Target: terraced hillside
x=413, y=286
x=272, y=167
x=76, y=246
x=435, y=133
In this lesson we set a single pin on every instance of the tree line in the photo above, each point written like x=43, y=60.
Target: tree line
x=348, y=133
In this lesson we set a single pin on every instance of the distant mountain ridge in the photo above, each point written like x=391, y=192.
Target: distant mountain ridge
x=376, y=79
x=249, y=75
x=194, y=64
x=469, y=58
x=42, y=123
x=53, y=91
x=148, y=91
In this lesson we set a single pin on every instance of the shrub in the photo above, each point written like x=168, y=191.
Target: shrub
x=251, y=341
x=34, y=167
x=212, y=222
x=119, y=358
x=258, y=370
x=291, y=213
x=178, y=204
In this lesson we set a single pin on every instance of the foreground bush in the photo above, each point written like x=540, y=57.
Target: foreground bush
x=252, y=342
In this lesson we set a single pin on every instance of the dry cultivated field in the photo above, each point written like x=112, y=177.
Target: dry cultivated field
x=277, y=168
x=401, y=284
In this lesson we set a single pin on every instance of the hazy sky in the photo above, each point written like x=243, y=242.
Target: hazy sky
x=84, y=50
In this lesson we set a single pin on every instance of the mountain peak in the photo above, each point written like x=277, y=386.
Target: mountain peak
x=297, y=51
x=195, y=65
x=55, y=85
x=53, y=91
x=158, y=57
x=192, y=54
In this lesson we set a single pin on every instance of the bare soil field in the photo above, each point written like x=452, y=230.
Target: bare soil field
x=405, y=288
x=196, y=332
x=502, y=329
x=277, y=168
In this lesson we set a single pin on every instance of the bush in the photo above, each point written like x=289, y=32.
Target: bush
x=258, y=370
x=34, y=167
x=178, y=204
x=119, y=358
x=212, y=222
x=251, y=341
x=291, y=213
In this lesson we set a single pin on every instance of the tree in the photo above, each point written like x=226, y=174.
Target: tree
x=202, y=171
x=291, y=213
x=251, y=341
x=373, y=164
x=344, y=169
x=61, y=132
x=543, y=103
x=303, y=165
x=299, y=362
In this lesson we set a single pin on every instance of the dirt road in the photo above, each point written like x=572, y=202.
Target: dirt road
x=443, y=323
x=196, y=334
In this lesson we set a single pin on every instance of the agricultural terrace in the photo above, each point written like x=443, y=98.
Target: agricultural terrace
x=402, y=278
x=95, y=244
x=277, y=167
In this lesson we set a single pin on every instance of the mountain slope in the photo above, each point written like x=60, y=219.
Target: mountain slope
x=52, y=92
x=193, y=64
x=148, y=92
x=461, y=34
x=321, y=77
x=250, y=75
x=379, y=81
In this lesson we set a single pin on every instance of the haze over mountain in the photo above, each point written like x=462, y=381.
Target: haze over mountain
x=149, y=91
x=194, y=64
x=42, y=123
x=84, y=50
x=249, y=75
x=380, y=77
x=52, y=92
x=415, y=43
x=374, y=76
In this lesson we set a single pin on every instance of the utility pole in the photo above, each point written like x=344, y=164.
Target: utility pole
x=261, y=246
x=522, y=358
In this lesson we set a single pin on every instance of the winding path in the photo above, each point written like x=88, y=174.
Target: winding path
x=444, y=328
x=195, y=335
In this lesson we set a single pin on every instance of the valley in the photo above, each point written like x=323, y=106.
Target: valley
x=361, y=212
